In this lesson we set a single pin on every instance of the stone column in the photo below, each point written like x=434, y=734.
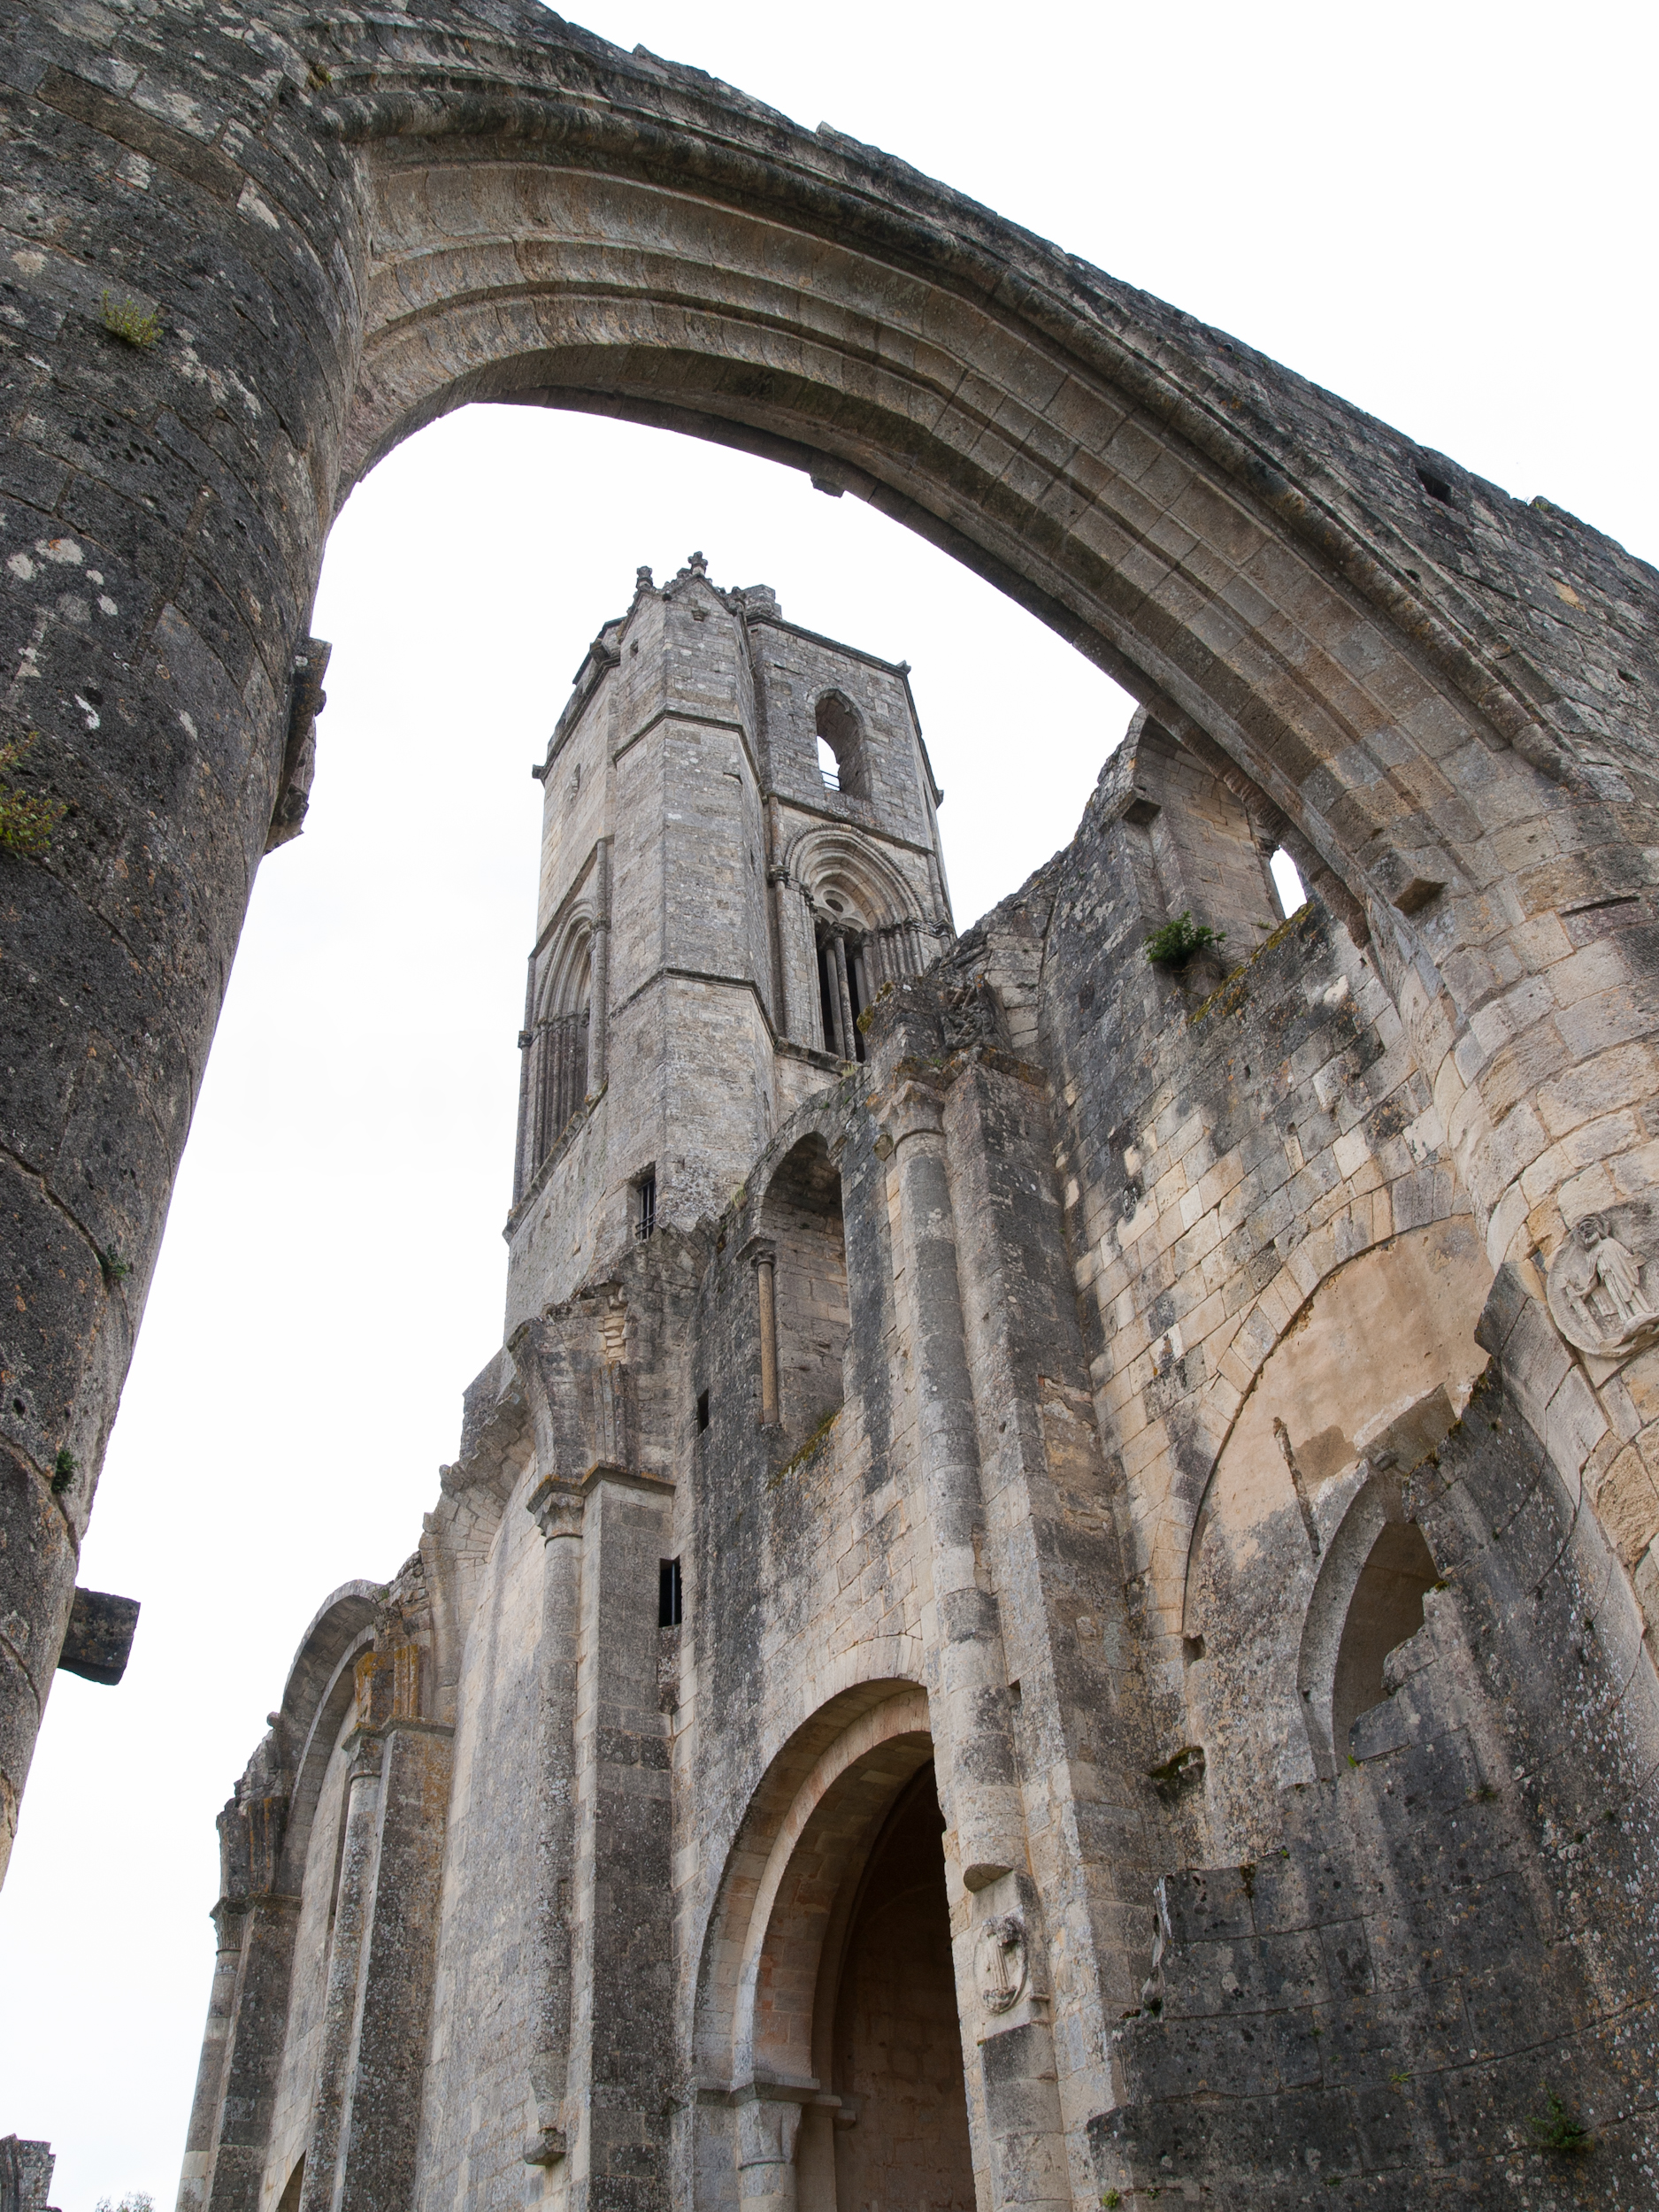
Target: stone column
x=768, y=2127
x=786, y=992
x=978, y=1782
x=849, y=1042
x=253, y=1915
x=598, y=1029
x=197, y=2169
x=622, y=2081
x=382, y=2115
x=766, y=1297
x=557, y=1509
x=1000, y=1946
x=523, y=1166
x=319, y=2189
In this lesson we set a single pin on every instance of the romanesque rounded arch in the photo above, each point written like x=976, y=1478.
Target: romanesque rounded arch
x=315, y=1699
x=839, y=725
x=836, y=1741
x=336, y=1626
x=1338, y=1254
x=1238, y=549
x=830, y=861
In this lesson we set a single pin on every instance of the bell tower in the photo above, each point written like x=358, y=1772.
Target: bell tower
x=740, y=848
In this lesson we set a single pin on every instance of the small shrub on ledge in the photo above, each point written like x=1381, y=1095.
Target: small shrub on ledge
x=26, y=824
x=1174, y=945
x=130, y=321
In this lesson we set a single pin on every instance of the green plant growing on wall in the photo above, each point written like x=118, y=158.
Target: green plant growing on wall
x=26, y=824
x=1558, y=2130
x=114, y=1270
x=1174, y=945
x=65, y=1466
x=130, y=321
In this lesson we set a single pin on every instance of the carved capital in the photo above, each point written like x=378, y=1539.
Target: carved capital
x=910, y=1109
x=363, y=1761
x=557, y=1507
x=768, y=2121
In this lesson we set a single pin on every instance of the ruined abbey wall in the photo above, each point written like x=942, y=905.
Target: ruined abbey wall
x=1246, y=1683
x=1182, y=1510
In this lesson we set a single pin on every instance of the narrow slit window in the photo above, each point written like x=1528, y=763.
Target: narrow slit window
x=703, y=1411
x=1287, y=883
x=645, y=1206
x=669, y=1596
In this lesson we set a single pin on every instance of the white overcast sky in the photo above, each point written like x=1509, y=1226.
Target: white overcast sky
x=1443, y=213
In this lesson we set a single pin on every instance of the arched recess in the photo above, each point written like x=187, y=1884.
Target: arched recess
x=1367, y=1599
x=1226, y=540
x=853, y=1722
x=315, y=1698
x=828, y=1963
x=803, y=1239
x=857, y=896
x=1306, y=1488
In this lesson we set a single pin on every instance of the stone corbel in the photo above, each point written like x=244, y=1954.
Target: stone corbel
x=307, y=700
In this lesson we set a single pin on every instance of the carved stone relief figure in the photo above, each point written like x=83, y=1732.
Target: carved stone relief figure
x=1601, y=1282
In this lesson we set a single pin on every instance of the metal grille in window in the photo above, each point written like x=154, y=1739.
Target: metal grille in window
x=645, y=1215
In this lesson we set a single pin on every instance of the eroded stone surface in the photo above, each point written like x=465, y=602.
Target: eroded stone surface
x=587, y=1862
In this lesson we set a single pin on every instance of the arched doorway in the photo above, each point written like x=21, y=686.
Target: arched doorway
x=828, y=1997
x=897, y=2043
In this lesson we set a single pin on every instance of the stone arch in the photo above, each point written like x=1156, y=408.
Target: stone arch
x=854, y=888
x=852, y=1724
x=1376, y=1370
x=1101, y=459
x=1375, y=1565
x=1277, y=1310
x=786, y=1964
x=433, y=209
x=839, y=726
x=320, y=1688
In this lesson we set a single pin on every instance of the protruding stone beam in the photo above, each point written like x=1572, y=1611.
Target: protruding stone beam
x=99, y=1639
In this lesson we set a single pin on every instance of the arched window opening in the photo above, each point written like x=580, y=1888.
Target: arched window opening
x=562, y=1047
x=1385, y=1609
x=1287, y=884
x=843, y=988
x=839, y=752
x=802, y=1222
